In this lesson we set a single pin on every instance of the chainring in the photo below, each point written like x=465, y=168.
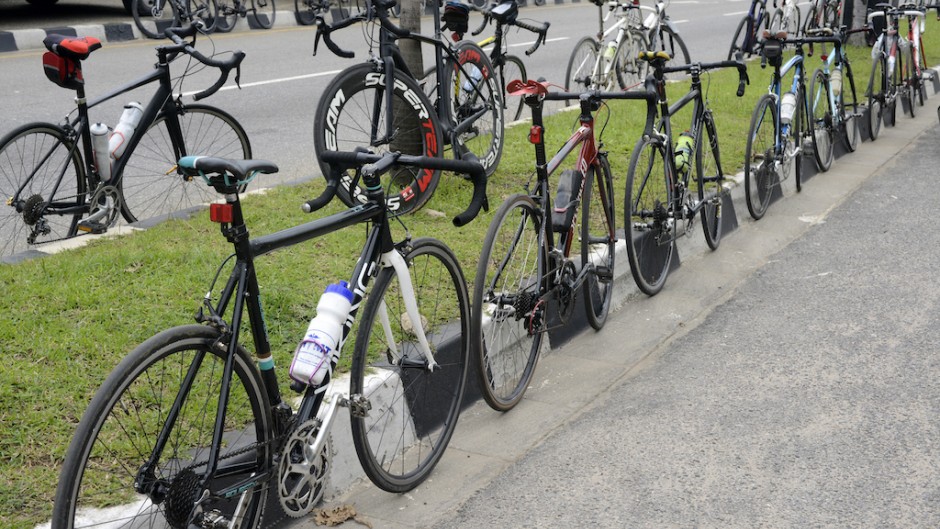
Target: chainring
x=98, y=199
x=301, y=476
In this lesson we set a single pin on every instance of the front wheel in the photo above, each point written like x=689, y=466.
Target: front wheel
x=741, y=42
x=264, y=12
x=820, y=123
x=133, y=464
x=848, y=109
x=476, y=104
x=649, y=221
x=153, y=16
x=227, y=16
x=876, y=98
x=509, y=313
x=42, y=181
x=673, y=44
x=203, y=11
x=598, y=241
x=581, y=74
x=353, y=112
x=710, y=181
x=306, y=11
x=512, y=70
x=404, y=409
x=151, y=184
x=630, y=69
x=760, y=157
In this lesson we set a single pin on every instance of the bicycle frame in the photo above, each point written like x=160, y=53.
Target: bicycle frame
x=797, y=64
x=755, y=17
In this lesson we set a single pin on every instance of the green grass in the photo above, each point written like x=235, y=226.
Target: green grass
x=69, y=318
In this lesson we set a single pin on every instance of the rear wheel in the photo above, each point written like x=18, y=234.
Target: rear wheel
x=740, y=41
x=115, y=459
x=820, y=124
x=876, y=99
x=153, y=16
x=760, y=172
x=649, y=222
x=32, y=158
x=227, y=16
x=598, y=241
x=404, y=409
x=512, y=70
x=630, y=69
x=673, y=44
x=848, y=109
x=475, y=93
x=204, y=11
x=580, y=75
x=306, y=11
x=509, y=315
x=776, y=21
x=710, y=181
x=264, y=11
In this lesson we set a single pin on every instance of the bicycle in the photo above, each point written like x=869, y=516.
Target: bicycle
x=776, y=141
x=660, y=179
x=162, y=14
x=523, y=278
x=262, y=13
x=786, y=17
x=892, y=57
x=914, y=73
x=55, y=186
x=307, y=11
x=746, y=38
x=824, y=14
x=834, y=100
x=505, y=14
x=188, y=432
x=591, y=67
x=358, y=108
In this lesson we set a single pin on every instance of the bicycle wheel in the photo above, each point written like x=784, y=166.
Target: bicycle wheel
x=509, y=314
x=791, y=20
x=580, y=74
x=776, y=21
x=598, y=241
x=760, y=173
x=812, y=20
x=876, y=98
x=227, y=16
x=151, y=184
x=344, y=121
x=820, y=122
x=848, y=109
x=512, y=70
x=414, y=408
x=909, y=84
x=264, y=12
x=630, y=69
x=153, y=16
x=709, y=180
x=673, y=44
x=114, y=466
x=32, y=158
x=475, y=91
x=650, y=224
x=793, y=148
x=204, y=11
x=306, y=11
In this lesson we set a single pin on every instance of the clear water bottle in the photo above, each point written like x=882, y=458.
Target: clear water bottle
x=125, y=129
x=99, y=145
x=684, y=147
x=317, y=351
x=835, y=81
x=787, y=106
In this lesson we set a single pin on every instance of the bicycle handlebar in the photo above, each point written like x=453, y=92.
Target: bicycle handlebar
x=377, y=164
x=540, y=30
x=378, y=7
x=178, y=34
x=743, y=79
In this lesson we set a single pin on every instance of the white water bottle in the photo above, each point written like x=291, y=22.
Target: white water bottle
x=787, y=106
x=317, y=351
x=125, y=129
x=835, y=81
x=99, y=145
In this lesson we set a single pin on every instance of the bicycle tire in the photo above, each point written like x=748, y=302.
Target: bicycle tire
x=760, y=177
x=305, y=12
x=630, y=69
x=792, y=22
x=649, y=220
x=152, y=185
x=709, y=180
x=812, y=20
x=20, y=153
x=512, y=70
x=264, y=12
x=105, y=462
x=598, y=242
x=740, y=41
x=910, y=84
x=343, y=121
x=487, y=133
x=848, y=109
x=204, y=11
x=227, y=16
x=821, y=120
x=776, y=21
x=673, y=44
x=423, y=404
x=579, y=75
x=876, y=98
x=892, y=91
x=161, y=13
x=509, y=315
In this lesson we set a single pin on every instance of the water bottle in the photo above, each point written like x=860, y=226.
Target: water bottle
x=787, y=106
x=684, y=148
x=475, y=76
x=610, y=51
x=891, y=60
x=99, y=145
x=317, y=351
x=835, y=81
x=125, y=128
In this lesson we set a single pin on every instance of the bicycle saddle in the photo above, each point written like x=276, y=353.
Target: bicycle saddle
x=780, y=35
x=651, y=56
x=530, y=87
x=77, y=49
x=240, y=169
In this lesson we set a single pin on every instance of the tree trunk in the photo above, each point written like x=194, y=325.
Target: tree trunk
x=410, y=19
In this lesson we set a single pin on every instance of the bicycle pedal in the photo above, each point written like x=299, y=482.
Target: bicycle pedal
x=95, y=228
x=604, y=273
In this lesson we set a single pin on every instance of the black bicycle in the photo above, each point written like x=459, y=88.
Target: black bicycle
x=153, y=17
x=57, y=184
x=188, y=431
